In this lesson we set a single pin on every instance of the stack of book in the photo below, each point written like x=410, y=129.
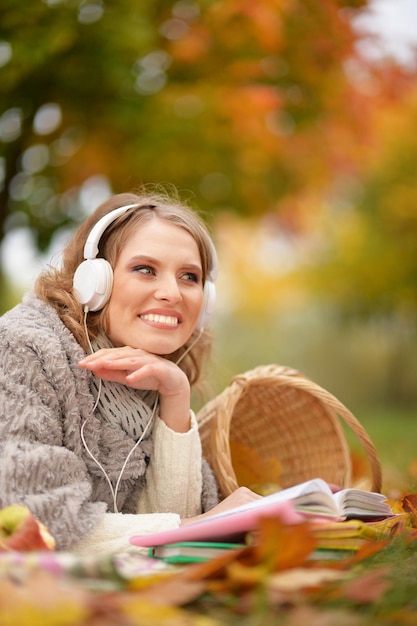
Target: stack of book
x=341, y=522
x=337, y=540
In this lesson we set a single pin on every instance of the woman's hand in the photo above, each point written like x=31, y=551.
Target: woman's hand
x=141, y=370
x=242, y=495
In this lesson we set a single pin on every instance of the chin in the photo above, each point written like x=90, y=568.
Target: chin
x=157, y=342
x=159, y=348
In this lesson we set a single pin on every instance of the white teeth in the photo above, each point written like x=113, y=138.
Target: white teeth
x=161, y=319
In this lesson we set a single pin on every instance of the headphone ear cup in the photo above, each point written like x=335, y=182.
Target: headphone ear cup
x=209, y=300
x=93, y=282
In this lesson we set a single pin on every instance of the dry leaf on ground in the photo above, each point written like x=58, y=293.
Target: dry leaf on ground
x=317, y=617
x=300, y=578
x=365, y=589
x=44, y=600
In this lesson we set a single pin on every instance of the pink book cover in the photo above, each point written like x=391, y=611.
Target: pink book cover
x=229, y=526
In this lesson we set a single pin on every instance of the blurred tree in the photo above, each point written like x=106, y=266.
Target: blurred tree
x=367, y=265
x=253, y=117
x=67, y=101
x=247, y=105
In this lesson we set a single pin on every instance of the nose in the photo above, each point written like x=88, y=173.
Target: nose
x=168, y=289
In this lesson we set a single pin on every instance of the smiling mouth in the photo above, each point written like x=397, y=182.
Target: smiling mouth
x=160, y=319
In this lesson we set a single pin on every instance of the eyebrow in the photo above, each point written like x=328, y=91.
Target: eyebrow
x=144, y=258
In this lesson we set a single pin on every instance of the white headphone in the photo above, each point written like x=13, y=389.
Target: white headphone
x=93, y=278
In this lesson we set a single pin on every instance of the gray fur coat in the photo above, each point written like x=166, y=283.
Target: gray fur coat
x=44, y=399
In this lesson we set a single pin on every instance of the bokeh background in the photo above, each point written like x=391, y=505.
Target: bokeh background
x=287, y=123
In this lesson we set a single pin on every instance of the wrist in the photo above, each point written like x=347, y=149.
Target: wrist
x=175, y=412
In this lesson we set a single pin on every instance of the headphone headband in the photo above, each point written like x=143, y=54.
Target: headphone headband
x=93, y=239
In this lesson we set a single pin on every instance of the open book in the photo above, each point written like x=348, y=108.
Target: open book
x=311, y=498
x=315, y=497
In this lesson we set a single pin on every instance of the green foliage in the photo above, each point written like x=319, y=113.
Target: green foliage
x=369, y=266
x=64, y=55
x=10, y=295
x=214, y=97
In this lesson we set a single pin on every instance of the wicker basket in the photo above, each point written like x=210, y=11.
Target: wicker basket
x=287, y=419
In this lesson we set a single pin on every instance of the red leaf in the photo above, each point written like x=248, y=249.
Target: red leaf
x=367, y=588
x=409, y=503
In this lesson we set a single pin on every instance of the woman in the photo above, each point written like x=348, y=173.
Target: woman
x=96, y=433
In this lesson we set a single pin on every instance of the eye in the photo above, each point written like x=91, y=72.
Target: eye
x=191, y=277
x=144, y=269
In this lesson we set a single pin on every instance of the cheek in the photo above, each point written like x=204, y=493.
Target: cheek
x=120, y=295
x=116, y=307
x=198, y=304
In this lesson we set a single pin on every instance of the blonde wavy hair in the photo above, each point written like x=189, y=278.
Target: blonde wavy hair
x=55, y=284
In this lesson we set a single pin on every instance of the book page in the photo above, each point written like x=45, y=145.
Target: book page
x=290, y=494
x=359, y=502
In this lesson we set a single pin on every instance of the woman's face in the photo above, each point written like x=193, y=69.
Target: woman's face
x=157, y=290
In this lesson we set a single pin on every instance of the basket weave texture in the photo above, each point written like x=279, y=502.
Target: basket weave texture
x=285, y=418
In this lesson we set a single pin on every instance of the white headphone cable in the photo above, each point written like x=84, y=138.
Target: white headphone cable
x=116, y=488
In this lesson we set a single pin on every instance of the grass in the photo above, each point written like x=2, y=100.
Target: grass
x=401, y=561
x=393, y=432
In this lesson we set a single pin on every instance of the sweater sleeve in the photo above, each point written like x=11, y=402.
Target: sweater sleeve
x=113, y=531
x=174, y=475
x=36, y=469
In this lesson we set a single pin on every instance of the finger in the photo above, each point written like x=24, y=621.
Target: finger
x=115, y=376
x=112, y=353
x=114, y=361
x=145, y=371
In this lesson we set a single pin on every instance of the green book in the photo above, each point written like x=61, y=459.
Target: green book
x=192, y=551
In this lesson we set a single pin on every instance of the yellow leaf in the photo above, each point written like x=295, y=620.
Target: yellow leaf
x=143, y=613
x=140, y=583
x=43, y=600
x=253, y=470
x=174, y=592
x=242, y=575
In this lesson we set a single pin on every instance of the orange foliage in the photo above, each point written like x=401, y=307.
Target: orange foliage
x=254, y=471
x=248, y=21
x=193, y=47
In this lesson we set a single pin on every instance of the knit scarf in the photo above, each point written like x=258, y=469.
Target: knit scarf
x=121, y=406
